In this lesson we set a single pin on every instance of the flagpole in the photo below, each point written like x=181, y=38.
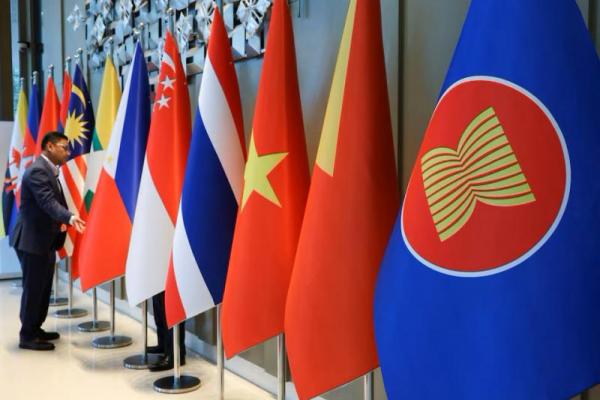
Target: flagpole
x=281, y=364
x=55, y=300
x=68, y=65
x=94, y=325
x=220, y=357
x=144, y=360
x=177, y=383
x=369, y=389
x=112, y=341
x=70, y=312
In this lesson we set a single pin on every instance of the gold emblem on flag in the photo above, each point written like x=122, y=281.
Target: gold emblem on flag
x=483, y=168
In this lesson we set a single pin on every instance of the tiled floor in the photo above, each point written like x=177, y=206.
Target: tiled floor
x=75, y=370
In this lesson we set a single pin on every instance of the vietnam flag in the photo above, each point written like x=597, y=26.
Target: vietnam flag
x=50, y=114
x=103, y=247
x=275, y=188
x=350, y=212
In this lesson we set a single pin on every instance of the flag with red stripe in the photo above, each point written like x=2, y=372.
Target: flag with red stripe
x=79, y=129
x=50, y=115
x=161, y=182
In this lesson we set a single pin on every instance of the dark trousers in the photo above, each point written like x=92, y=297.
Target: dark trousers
x=38, y=271
x=165, y=335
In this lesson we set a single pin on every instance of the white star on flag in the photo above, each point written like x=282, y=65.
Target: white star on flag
x=167, y=82
x=163, y=101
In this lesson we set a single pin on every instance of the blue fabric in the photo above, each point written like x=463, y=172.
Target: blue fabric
x=34, y=113
x=135, y=134
x=81, y=109
x=209, y=210
x=531, y=332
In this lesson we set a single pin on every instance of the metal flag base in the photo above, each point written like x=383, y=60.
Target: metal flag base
x=71, y=313
x=177, y=383
x=174, y=385
x=142, y=361
x=94, y=326
x=58, y=301
x=111, y=342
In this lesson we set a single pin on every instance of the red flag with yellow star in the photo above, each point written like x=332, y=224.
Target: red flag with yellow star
x=275, y=188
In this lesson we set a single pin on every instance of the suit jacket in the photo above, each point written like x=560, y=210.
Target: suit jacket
x=42, y=211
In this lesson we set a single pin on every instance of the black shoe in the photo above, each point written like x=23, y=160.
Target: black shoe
x=155, y=350
x=43, y=335
x=36, y=344
x=165, y=364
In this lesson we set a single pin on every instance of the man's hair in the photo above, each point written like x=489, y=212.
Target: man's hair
x=53, y=137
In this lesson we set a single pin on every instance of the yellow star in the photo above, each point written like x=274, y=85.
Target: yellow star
x=255, y=174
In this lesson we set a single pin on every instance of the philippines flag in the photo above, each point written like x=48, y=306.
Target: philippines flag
x=211, y=190
x=104, y=244
x=162, y=181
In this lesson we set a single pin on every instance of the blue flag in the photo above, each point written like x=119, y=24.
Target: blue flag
x=490, y=286
x=80, y=122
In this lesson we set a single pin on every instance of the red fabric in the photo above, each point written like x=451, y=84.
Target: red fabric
x=50, y=118
x=349, y=216
x=265, y=238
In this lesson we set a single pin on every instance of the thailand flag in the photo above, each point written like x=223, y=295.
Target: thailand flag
x=105, y=243
x=211, y=190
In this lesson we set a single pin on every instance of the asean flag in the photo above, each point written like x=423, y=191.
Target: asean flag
x=212, y=188
x=489, y=287
x=161, y=182
x=273, y=199
x=50, y=118
x=350, y=212
x=105, y=243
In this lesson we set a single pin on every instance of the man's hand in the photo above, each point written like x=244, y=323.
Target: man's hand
x=78, y=223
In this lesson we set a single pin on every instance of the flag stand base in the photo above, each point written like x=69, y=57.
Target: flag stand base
x=141, y=361
x=111, y=342
x=173, y=385
x=94, y=326
x=71, y=313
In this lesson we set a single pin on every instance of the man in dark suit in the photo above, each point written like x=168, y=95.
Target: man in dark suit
x=40, y=231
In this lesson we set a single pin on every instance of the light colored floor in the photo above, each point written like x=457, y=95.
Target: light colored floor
x=75, y=370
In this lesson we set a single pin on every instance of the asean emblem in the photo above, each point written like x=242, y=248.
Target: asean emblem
x=491, y=180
